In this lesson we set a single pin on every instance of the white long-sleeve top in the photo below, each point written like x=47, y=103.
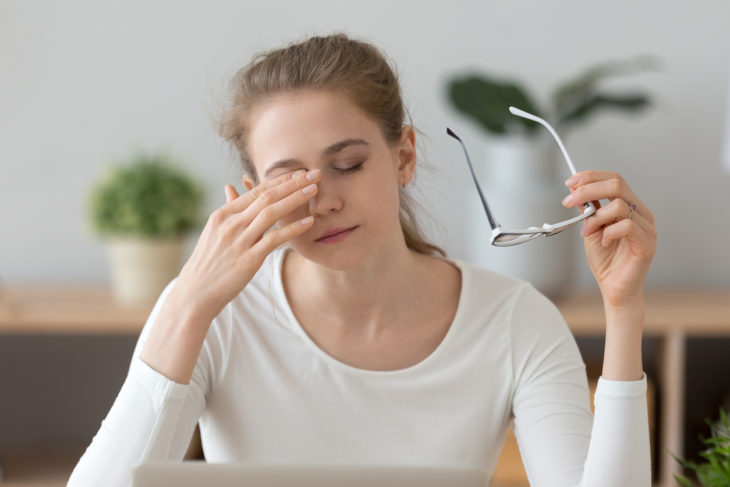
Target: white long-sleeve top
x=264, y=392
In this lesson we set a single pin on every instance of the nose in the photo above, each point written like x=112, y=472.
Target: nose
x=327, y=200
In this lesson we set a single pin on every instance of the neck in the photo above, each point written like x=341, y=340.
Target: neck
x=364, y=299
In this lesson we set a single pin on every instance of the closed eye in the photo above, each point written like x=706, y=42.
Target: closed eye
x=350, y=169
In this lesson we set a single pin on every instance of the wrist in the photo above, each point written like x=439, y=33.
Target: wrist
x=188, y=307
x=633, y=311
x=624, y=333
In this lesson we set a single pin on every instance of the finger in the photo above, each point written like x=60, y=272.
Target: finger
x=243, y=201
x=274, y=212
x=231, y=193
x=592, y=226
x=591, y=188
x=587, y=177
x=274, y=238
x=613, y=212
x=294, y=186
x=273, y=190
x=643, y=243
x=582, y=208
x=590, y=176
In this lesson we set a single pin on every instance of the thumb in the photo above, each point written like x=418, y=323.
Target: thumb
x=231, y=193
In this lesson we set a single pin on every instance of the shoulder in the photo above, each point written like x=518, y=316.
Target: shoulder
x=512, y=302
x=483, y=288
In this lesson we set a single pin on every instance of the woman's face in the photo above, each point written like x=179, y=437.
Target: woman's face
x=361, y=171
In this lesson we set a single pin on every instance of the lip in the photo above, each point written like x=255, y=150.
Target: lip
x=335, y=234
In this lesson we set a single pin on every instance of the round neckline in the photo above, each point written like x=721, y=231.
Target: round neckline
x=289, y=312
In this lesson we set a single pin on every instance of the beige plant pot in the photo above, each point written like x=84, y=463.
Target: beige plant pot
x=142, y=267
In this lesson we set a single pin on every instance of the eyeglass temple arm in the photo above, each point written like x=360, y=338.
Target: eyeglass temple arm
x=535, y=118
x=492, y=223
x=524, y=114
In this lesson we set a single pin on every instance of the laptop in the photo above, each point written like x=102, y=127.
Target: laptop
x=198, y=473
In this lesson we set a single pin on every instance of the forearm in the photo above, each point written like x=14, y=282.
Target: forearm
x=152, y=419
x=622, y=353
x=174, y=342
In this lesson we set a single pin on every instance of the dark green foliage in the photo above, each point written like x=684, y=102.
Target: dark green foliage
x=577, y=99
x=486, y=99
x=148, y=197
x=591, y=104
x=714, y=471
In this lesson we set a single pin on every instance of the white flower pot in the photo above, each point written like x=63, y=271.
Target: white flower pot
x=142, y=267
x=523, y=183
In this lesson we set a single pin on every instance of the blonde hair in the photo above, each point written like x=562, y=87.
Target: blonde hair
x=354, y=68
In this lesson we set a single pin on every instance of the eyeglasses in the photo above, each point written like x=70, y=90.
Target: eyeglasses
x=505, y=238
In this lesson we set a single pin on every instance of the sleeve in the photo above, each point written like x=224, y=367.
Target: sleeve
x=152, y=419
x=561, y=444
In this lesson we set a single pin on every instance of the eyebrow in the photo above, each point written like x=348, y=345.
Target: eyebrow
x=329, y=151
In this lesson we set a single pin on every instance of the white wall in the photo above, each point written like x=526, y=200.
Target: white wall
x=83, y=82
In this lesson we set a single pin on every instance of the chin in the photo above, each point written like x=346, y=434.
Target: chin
x=336, y=259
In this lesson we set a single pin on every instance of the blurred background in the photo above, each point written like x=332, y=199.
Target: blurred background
x=84, y=84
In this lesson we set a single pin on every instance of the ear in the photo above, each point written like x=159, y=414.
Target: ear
x=248, y=182
x=406, y=155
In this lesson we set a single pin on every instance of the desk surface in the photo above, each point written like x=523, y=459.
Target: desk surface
x=72, y=309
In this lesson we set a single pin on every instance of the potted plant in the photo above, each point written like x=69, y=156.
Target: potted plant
x=522, y=172
x=714, y=470
x=143, y=208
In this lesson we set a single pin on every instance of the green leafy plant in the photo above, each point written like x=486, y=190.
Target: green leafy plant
x=486, y=99
x=146, y=197
x=714, y=471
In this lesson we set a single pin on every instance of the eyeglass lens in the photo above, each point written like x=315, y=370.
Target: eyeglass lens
x=505, y=239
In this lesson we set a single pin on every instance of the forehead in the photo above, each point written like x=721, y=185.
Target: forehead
x=301, y=125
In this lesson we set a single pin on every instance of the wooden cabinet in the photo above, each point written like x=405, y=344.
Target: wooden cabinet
x=672, y=317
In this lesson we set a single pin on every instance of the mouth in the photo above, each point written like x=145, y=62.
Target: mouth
x=335, y=234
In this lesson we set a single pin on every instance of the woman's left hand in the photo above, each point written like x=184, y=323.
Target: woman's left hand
x=620, y=242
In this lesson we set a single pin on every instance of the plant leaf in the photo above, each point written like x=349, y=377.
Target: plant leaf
x=715, y=470
x=632, y=102
x=683, y=481
x=147, y=197
x=487, y=101
x=571, y=92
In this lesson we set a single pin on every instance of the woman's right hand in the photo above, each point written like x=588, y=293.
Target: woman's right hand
x=231, y=248
x=235, y=241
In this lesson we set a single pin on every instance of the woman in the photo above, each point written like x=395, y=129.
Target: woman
x=355, y=343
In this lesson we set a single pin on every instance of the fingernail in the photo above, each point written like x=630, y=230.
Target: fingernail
x=297, y=173
x=311, y=175
x=571, y=180
x=568, y=200
x=306, y=221
x=309, y=189
x=584, y=230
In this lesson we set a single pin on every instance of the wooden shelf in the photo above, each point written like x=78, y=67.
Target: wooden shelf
x=67, y=310
x=695, y=312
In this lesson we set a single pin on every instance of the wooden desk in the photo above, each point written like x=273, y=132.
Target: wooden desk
x=672, y=316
